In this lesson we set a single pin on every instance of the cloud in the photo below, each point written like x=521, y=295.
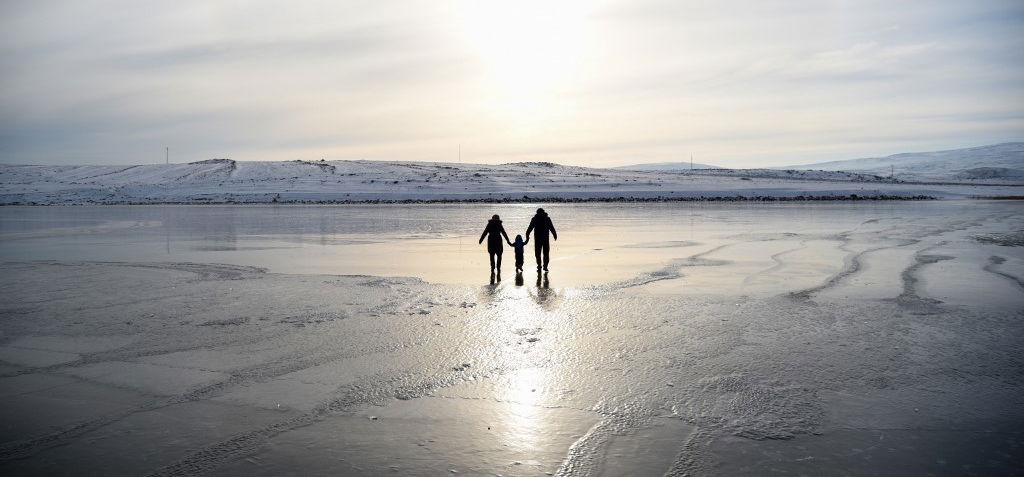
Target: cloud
x=738, y=83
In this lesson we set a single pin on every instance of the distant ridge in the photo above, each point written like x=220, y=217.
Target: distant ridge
x=666, y=166
x=996, y=161
x=226, y=181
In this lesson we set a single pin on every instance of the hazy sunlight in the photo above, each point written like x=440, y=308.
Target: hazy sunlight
x=530, y=49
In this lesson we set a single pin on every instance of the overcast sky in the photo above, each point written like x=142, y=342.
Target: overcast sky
x=595, y=83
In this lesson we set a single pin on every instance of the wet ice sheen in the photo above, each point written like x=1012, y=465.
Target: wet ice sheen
x=603, y=242
x=708, y=340
x=426, y=436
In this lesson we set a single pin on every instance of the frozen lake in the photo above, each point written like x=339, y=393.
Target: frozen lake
x=602, y=243
x=867, y=338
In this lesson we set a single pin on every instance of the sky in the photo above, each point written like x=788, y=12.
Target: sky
x=591, y=83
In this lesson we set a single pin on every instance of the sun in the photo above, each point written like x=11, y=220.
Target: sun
x=531, y=49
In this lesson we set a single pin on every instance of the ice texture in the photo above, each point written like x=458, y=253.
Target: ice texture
x=785, y=339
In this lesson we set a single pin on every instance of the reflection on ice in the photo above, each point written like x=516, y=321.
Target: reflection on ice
x=748, y=337
x=435, y=242
x=543, y=294
x=522, y=421
x=540, y=293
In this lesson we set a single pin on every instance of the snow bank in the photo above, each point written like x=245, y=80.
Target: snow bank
x=226, y=180
x=955, y=164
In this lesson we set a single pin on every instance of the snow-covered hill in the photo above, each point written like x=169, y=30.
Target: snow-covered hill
x=226, y=180
x=1000, y=161
x=666, y=166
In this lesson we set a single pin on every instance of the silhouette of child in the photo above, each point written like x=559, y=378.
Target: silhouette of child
x=519, y=246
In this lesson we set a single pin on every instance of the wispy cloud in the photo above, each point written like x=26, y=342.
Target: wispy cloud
x=593, y=83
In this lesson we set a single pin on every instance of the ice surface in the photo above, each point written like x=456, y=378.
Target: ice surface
x=212, y=359
x=163, y=380
x=139, y=442
x=873, y=452
x=34, y=357
x=47, y=404
x=609, y=242
x=307, y=388
x=427, y=436
x=649, y=450
x=73, y=344
x=29, y=383
x=687, y=340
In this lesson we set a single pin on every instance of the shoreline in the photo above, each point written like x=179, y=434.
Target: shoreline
x=524, y=200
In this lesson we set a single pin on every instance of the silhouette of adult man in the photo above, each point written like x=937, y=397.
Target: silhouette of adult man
x=541, y=247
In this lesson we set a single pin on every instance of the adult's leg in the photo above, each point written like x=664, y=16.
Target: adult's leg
x=547, y=253
x=536, y=252
x=499, y=260
x=492, y=260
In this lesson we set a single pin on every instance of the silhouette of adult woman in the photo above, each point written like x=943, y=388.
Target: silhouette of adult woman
x=494, y=232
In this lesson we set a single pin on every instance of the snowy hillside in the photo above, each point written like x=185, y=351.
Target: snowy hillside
x=226, y=180
x=991, y=173
x=666, y=166
x=999, y=161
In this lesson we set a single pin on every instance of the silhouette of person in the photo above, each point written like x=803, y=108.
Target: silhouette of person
x=542, y=224
x=519, y=245
x=494, y=231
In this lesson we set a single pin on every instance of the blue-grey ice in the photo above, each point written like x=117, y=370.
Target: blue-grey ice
x=877, y=338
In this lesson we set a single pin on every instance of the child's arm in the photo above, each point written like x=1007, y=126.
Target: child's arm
x=527, y=240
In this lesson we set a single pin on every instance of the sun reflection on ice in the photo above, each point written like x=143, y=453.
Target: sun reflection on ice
x=524, y=425
x=520, y=310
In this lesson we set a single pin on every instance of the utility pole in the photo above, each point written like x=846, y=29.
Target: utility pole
x=691, y=161
x=460, y=153
x=167, y=155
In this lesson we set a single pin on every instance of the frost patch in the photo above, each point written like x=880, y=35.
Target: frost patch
x=756, y=410
x=314, y=317
x=669, y=244
x=228, y=322
x=1013, y=239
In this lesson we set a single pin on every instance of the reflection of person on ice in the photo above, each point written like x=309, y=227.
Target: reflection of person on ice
x=542, y=224
x=494, y=232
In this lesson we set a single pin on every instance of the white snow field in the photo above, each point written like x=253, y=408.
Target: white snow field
x=667, y=166
x=226, y=180
x=988, y=163
x=821, y=338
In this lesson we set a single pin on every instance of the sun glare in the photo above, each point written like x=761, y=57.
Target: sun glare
x=530, y=48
